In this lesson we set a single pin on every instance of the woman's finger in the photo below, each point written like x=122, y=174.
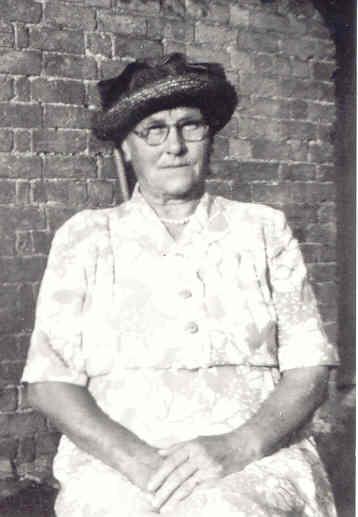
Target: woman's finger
x=182, y=492
x=173, y=482
x=170, y=464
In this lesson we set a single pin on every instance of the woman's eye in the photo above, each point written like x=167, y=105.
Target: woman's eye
x=156, y=130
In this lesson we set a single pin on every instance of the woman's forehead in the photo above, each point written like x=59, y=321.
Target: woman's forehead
x=173, y=115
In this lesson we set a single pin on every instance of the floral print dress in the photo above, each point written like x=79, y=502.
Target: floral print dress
x=179, y=339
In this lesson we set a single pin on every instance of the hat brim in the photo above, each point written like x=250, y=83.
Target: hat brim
x=217, y=99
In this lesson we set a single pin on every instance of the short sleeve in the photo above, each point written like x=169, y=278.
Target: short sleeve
x=302, y=341
x=55, y=352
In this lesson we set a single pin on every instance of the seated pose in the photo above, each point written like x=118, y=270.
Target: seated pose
x=177, y=343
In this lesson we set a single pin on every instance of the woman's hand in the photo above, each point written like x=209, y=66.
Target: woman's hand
x=202, y=460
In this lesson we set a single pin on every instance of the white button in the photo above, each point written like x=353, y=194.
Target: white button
x=192, y=327
x=185, y=293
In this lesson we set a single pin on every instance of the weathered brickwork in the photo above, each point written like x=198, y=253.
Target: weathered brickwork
x=276, y=150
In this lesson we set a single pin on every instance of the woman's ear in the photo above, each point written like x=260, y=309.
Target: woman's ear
x=126, y=152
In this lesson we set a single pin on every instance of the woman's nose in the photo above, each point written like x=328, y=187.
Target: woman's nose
x=175, y=141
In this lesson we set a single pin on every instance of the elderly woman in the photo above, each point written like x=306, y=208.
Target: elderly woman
x=177, y=343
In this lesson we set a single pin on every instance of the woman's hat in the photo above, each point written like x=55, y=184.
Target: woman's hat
x=147, y=86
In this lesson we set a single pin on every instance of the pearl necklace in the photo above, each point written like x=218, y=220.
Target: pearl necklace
x=179, y=222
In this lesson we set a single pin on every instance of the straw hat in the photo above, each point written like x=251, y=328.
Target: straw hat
x=147, y=86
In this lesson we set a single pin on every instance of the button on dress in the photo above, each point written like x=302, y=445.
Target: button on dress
x=179, y=339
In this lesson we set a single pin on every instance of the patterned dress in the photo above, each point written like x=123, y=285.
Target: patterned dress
x=179, y=339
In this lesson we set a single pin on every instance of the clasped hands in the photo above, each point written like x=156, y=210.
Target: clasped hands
x=189, y=464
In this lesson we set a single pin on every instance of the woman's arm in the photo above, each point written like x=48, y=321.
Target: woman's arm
x=299, y=393
x=76, y=414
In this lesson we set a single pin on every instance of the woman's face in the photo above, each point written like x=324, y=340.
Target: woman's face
x=175, y=169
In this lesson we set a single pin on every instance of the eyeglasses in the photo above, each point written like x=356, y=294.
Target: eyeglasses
x=190, y=131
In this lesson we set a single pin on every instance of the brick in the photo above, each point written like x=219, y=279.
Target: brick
x=253, y=84
x=240, y=149
x=300, y=69
x=260, y=128
x=9, y=320
x=303, y=48
x=10, y=373
x=258, y=41
x=75, y=117
x=20, y=115
x=264, y=63
x=281, y=66
x=26, y=450
x=22, y=192
x=327, y=213
x=298, y=109
x=22, y=89
x=230, y=189
x=326, y=173
x=224, y=170
x=56, y=216
x=270, y=22
x=76, y=17
x=325, y=50
x=75, y=67
x=12, y=166
x=173, y=46
x=100, y=193
x=6, y=469
x=239, y=16
x=53, y=91
x=179, y=31
x=7, y=36
x=312, y=193
x=322, y=233
x=6, y=140
x=6, y=88
x=137, y=48
x=322, y=272
x=16, y=62
x=121, y=24
x=243, y=61
x=41, y=241
x=47, y=443
x=94, y=3
x=298, y=172
x=204, y=53
x=220, y=148
x=92, y=97
x=20, y=218
x=8, y=399
x=8, y=448
x=251, y=171
x=299, y=130
x=23, y=140
x=322, y=113
x=174, y=8
x=24, y=245
x=300, y=215
x=99, y=44
x=265, y=107
x=69, y=167
x=47, y=38
x=214, y=11
x=7, y=246
x=266, y=149
x=273, y=195
x=205, y=33
x=321, y=152
x=111, y=68
x=21, y=269
x=69, y=193
x=329, y=313
x=21, y=35
x=7, y=191
x=144, y=6
x=21, y=11
x=60, y=141
x=21, y=425
x=324, y=71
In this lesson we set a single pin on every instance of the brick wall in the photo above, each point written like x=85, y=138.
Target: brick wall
x=276, y=150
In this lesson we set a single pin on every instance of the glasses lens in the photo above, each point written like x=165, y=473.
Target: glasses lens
x=194, y=131
x=157, y=135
